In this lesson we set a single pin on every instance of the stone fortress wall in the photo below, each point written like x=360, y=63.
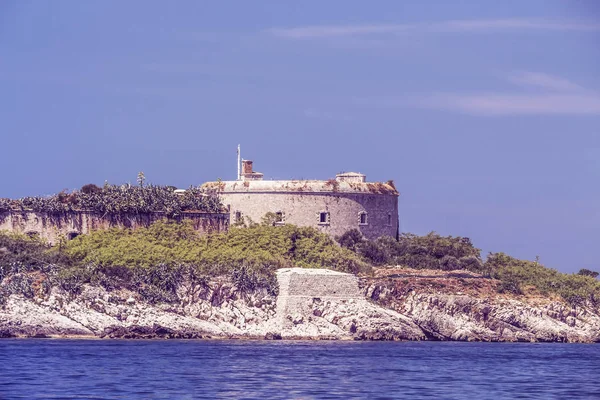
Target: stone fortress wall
x=333, y=206
x=66, y=226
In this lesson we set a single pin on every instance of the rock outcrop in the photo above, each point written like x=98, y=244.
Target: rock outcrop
x=395, y=304
x=459, y=305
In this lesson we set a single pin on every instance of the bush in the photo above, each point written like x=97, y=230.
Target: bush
x=449, y=263
x=157, y=260
x=350, y=239
x=20, y=253
x=422, y=252
x=250, y=255
x=515, y=274
x=125, y=199
x=373, y=252
x=471, y=263
x=72, y=279
x=5, y=205
x=433, y=251
x=587, y=272
x=91, y=189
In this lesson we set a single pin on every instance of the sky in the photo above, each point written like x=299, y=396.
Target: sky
x=486, y=114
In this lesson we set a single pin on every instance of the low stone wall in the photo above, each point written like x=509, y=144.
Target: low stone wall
x=301, y=288
x=321, y=283
x=320, y=303
x=66, y=226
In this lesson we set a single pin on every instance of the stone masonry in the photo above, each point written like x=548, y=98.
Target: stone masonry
x=332, y=206
x=66, y=226
x=301, y=288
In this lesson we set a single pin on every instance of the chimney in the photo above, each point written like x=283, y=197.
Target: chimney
x=248, y=174
x=246, y=167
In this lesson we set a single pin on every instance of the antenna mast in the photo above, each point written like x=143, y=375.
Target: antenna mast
x=238, y=163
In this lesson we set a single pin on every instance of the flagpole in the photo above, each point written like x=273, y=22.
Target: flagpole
x=238, y=163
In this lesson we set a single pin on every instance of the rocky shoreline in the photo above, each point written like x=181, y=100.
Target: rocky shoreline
x=394, y=304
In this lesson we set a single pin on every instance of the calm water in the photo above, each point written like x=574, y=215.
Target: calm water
x=104, y=369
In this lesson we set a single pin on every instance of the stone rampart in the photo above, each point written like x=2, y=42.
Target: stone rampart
x=343, y=210
x=66, y=226
x=301, y=288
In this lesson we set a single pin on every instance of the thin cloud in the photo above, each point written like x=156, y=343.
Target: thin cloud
x=556, y=96
x=454, y=26
x=326, y=115
x=492, y=104
x=545, y=81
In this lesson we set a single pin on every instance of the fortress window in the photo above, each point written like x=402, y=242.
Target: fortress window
x=279, y=217
x=238, y=216
x=362, y=218
x=323, y=217
x=389, y=219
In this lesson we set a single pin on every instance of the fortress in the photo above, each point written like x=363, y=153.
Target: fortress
x=333, y=206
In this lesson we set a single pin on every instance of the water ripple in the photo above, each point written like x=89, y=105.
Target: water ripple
x=105, y=369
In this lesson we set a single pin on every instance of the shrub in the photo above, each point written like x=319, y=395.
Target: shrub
x=431, y=251
x=125, y=199
x=20, y=253
x=252, y=253
x=471, y=263
x=350, y=239
x=91, y=189
x=587, y=272
x=72, y=279
x=19, y=283
x=449, y=263
x=510, y=285
x=5, y=205
x=373, y=252
x=512, y=272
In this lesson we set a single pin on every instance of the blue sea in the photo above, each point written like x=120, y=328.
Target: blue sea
x=171, y=369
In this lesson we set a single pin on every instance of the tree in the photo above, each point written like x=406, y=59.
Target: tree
x=587, y=272
x=90, y=188
x=141, y=179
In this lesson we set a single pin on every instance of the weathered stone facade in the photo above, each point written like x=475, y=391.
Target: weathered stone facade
x=333, y=206
x=66, y=226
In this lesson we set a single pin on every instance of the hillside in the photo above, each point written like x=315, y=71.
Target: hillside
x=167, y=281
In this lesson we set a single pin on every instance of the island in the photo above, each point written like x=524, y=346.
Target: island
x=157, y=262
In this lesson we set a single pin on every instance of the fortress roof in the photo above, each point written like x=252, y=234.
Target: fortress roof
x=302, y=186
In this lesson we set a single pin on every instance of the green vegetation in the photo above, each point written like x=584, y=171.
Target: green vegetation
x=587, y=272
x=171, y=243
x=155, y=260
x=19, y=257
x=433, y=251
x=515, y=275
x=124, y=199
x=20, y=253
